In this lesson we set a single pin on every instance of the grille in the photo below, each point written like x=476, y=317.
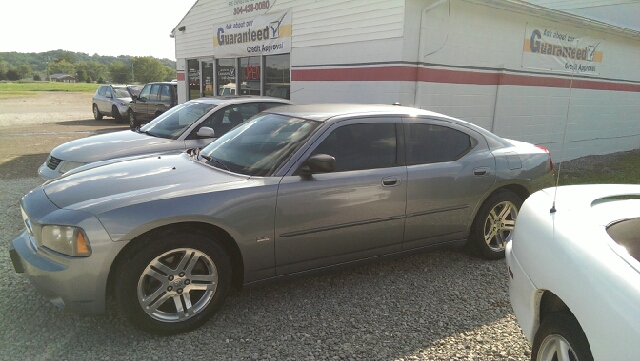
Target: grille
x=53, y=162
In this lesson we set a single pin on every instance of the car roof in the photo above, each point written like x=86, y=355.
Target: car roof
x=325, y=112
x=240, y=99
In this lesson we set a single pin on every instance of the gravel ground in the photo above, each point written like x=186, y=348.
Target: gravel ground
x=442, y=305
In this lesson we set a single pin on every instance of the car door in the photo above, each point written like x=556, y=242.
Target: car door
x=450, y=168
x=139, y=106
x=101, y=99
x=153, y=104
x=352, y=213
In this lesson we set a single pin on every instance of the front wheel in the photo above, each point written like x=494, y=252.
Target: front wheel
x=560, y=337
x=172, y=283
x=115, y=113
x=494, y=223
x=133, y=122
x=96, y=113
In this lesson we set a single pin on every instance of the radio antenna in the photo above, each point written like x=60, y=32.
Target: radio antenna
x=564, y=133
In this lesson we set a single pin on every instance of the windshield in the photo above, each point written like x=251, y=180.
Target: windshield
x=258, y=147
x=175, y=121
x=121, y=93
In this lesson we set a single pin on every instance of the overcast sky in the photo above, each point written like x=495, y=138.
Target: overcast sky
x=109, y=27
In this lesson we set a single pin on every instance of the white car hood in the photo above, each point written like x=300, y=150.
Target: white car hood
x=113, y=145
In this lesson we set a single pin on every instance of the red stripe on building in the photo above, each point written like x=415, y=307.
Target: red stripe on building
x=430, y=75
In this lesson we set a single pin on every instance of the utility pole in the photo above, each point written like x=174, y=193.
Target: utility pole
x=131, y=71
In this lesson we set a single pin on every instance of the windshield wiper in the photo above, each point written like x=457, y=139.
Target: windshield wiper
x=215, y=161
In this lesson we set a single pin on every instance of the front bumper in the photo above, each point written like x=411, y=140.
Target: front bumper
x=65, y=281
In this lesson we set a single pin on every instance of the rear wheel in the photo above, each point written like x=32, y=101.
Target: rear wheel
x=133, y=122
x=494, y=223
x=96, y=113
x=560, y=337
x=172, y=283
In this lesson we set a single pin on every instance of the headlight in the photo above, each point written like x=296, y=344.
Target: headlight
x=67, y=165
x=66, y=240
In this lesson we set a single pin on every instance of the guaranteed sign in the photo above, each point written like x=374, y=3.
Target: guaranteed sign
x=262, y=35
x=556, y=50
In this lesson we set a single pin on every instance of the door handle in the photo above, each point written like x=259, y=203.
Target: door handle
x=480, y=171
x=390, y=182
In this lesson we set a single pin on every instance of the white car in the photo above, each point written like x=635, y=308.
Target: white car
x=574, y=272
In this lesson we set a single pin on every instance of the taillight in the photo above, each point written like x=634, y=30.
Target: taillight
x=553, y=171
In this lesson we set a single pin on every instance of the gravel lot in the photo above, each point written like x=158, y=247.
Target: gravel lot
x=442, y=305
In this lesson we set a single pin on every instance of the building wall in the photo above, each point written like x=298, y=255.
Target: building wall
x=463, y=58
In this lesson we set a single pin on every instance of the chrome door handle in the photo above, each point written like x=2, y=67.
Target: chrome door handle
x=480, y=171
x=390, y=182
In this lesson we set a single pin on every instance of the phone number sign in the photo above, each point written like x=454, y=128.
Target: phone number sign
x=248, y=7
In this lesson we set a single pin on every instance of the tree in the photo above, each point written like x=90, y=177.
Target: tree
x=96, y=70
x=66, y=56
x=62, y=67
x=36, y=77
x=147, y=69
x=24, y=71
x=13, y=75
x=170, y=73
x=120, y=73
x=81, y=75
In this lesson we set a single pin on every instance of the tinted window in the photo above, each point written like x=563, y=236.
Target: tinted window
x=145, y=92
x=225, y=119
x=433, y=143
x=165, y=93
x=361, y=146
x=154, y=92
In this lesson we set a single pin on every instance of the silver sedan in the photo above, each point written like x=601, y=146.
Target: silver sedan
x=293, y=190
x=192, y=124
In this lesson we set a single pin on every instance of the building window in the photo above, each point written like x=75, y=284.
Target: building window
x=226, y=77
x=194, y=78
x=278, y=76
x=250, y=75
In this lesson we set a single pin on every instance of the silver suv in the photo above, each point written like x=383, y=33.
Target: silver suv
x=112, y=100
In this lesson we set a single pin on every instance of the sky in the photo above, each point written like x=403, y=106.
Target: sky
x=109, y=27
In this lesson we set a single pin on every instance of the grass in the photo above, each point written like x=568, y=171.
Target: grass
x=8, y=88
x=623, y=168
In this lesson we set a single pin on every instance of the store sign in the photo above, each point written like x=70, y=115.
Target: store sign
x=249, y=7
x=558, y=50
x=262, y=35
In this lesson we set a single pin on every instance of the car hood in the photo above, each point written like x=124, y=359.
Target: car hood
x=113, y=145
x=125, y=100
x=123, y=183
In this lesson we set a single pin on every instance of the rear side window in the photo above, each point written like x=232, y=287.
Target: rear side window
x=165, y=93
x=429, y=143
x=102, y=91
x=361, y=146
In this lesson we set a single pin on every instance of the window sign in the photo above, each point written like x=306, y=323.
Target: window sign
x=262, y=35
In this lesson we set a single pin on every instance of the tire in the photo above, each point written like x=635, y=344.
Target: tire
x=560, y=329
x=96, y=113
x=115, y=113
x=493, y=225
x=133, y=122
x=182, y=268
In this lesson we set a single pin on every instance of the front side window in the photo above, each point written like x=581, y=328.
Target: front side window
x=258, y=147
x=144, y=94
x=153, y=95
x=224, y=120
x=361, y=146
x=429, y=143
x=172, y=123
x=102, y=90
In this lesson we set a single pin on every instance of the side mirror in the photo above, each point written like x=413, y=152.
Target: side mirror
x=319, y=163
x=134, y=98
x=205, y=132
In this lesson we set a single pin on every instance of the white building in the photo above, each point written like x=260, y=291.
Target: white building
x=523, y=71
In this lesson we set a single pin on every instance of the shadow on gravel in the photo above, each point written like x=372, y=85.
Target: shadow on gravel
x=105, y=122
x=25, y=166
